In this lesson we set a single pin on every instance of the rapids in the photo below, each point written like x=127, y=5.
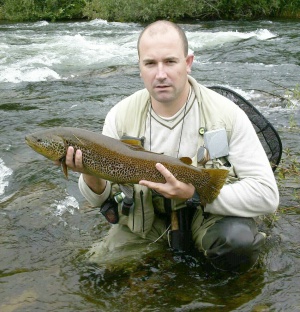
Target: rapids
x=71, y=74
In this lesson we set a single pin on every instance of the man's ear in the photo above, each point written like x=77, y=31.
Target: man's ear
x=189, y=62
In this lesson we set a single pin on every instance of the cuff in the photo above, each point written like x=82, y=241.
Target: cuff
x=96, y=200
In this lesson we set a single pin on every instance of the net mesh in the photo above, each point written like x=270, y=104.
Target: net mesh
x=267, y=134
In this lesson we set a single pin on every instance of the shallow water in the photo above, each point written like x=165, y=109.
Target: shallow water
x=71, y=74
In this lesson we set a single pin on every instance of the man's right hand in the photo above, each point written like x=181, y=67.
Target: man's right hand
x=74, y=162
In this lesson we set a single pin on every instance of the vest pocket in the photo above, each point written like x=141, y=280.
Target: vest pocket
x=141, y=215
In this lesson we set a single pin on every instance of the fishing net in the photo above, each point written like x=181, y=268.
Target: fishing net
x=268, y=136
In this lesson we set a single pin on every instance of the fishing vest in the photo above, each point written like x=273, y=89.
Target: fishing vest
x=216, y=112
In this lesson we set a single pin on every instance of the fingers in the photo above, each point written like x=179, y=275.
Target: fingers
x=166, y=173
x=74, y=160
x=158, y=186
x=166, y=189
x=172, y=188
x=151, y=185
x=78, y=159
x=70, y=157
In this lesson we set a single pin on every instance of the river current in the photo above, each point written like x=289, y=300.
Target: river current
x=71, y=74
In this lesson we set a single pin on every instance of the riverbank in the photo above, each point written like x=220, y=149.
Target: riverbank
x=144, y=11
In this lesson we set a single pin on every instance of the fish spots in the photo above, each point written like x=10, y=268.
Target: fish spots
x=110, y=159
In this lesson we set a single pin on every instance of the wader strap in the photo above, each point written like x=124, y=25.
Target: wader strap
x=168, y=210
x=180, y=236
x=168, y=205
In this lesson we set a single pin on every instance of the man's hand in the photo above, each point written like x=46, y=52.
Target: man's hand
x=172, y=188
x=74, y=162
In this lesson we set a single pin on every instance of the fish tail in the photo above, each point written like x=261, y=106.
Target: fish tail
x=209, y=185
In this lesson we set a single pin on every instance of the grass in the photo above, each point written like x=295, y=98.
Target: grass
x=288, y=171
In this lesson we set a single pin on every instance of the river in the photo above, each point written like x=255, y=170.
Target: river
x=71, y=74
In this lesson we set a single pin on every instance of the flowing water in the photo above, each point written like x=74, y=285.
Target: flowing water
x=70, y=74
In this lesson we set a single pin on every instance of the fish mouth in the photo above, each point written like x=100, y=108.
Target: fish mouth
x=29, y=141
x=49, y=147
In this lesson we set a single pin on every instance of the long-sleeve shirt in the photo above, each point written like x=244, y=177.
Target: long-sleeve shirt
x=255, y=190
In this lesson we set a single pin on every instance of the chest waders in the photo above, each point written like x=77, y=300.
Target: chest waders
x=180, y=234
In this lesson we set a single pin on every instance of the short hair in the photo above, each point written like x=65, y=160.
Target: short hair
x=179, y=30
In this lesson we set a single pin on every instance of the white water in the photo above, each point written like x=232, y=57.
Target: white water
x=5, y=173
x=203, y=40
x=38, y=52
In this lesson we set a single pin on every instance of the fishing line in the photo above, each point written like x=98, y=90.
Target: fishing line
x=167, y=229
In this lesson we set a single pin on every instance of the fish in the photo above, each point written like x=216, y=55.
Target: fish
x=123, y=161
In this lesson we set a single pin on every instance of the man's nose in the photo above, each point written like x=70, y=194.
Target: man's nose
x=161, y=71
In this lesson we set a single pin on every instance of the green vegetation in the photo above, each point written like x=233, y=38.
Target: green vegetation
x=145, y=11
x=288, y=178
x=34, y=10
x=288, y=171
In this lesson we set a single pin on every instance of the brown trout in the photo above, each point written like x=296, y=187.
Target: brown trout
x=121, y=162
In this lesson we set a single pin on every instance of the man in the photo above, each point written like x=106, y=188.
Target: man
x=173, y=114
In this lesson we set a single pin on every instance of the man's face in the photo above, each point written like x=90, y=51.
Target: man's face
x=163, y=66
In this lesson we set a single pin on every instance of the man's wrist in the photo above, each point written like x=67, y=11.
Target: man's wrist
x=97, y=185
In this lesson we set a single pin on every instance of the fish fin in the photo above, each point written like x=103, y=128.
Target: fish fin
x=136, y=145
x=133, y=142
x=78, y=139
x=64, y=167
x=186, y=160
x=209, y=184
x=133, y=145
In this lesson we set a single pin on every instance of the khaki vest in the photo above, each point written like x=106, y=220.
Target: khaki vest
x=216, y=112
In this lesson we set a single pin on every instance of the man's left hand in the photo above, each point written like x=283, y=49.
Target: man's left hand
x=173, y=188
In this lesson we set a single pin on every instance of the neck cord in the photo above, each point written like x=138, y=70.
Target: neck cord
x=184, y=114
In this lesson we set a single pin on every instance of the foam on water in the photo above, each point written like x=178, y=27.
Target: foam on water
x=212, y=39
x=264, y=34
x=63, y=56
x=29, y=73
x=68, y=204
x=5, y=172
x=101, y=22
x=46, y=53
x=41, y=24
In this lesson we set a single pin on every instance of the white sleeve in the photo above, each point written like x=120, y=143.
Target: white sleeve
x=94, y=199
x=255, y=193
